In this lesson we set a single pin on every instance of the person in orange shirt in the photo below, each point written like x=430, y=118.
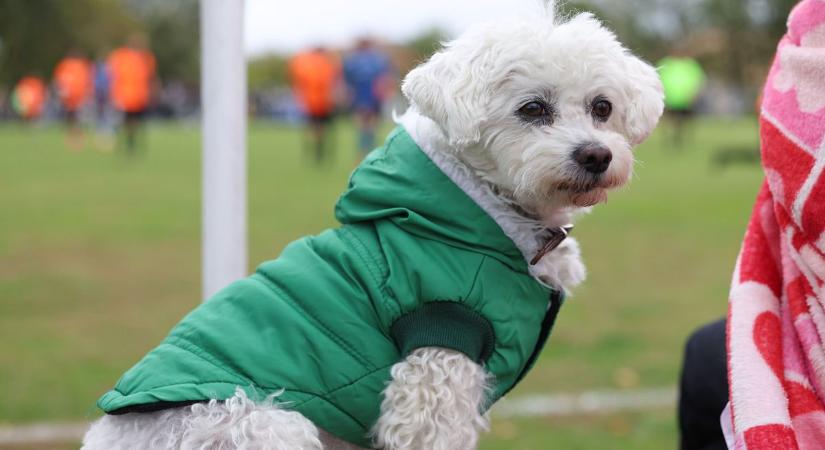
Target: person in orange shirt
x=73, y=80
x=132, y=72
x=315, y=75
x=29, y=97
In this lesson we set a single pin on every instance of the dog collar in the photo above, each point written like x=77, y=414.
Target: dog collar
x=557, y=236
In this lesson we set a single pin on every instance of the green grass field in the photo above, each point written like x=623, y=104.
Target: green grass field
x=99, y=257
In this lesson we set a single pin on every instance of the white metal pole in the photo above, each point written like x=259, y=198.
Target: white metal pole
x=223, y=100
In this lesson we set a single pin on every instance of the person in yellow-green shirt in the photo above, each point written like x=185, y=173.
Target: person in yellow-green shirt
x=682, y=79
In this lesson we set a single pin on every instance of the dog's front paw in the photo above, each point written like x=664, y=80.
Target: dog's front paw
x=563, y=266
x=433, y=402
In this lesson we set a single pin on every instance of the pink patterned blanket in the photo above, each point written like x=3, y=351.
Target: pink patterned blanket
x=776, y=318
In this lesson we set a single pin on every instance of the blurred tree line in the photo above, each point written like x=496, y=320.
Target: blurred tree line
x=272, y=69
x=35, y=34
x=733, y=39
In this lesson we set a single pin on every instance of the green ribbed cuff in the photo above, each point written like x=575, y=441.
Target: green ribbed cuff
x=445, y=324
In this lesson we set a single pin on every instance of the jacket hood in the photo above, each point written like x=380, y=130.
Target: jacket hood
x=400, y=183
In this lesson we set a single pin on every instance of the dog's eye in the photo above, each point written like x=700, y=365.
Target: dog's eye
x=601, y=109
x=533, y=109
x=536, y=112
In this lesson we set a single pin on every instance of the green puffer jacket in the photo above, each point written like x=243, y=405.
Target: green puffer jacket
x=416, y=263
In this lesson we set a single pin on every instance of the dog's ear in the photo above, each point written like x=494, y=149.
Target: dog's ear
x=641, y=86
x=452, y=88
x=645, y=99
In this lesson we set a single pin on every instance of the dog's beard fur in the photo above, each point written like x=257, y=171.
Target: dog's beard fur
x=473, y=88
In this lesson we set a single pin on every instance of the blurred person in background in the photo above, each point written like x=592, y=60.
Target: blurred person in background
x=132, y=70
x=104, y=128
x=28, y=97
x=73, y=81
x=314, y=75
x=682, y=79
x=369, y=75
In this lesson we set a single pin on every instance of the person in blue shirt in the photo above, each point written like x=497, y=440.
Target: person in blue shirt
x=104, y=120
x=368, y=74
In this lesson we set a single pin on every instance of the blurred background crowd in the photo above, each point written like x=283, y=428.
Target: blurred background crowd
x=113, y=61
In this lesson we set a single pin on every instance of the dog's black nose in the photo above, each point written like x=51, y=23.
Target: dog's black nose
x=593, y=157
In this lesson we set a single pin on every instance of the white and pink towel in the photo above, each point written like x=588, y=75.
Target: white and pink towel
x=776, y=317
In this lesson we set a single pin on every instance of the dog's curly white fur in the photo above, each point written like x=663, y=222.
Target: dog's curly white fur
x=443, y=416
x=235, y=423
x=501, y=110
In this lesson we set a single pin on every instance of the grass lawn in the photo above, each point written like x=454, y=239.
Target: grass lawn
x=99, y=257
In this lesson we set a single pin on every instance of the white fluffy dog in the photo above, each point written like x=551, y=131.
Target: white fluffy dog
x=535, y=119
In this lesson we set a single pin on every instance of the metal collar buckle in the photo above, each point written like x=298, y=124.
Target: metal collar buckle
x=557, y=236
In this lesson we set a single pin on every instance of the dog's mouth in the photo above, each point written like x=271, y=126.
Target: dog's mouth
x=587, y=193
x=589, y=198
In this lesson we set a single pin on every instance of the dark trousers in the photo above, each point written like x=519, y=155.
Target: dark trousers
x=703, y=389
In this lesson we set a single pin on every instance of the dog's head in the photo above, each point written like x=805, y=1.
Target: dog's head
x=547, y=112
